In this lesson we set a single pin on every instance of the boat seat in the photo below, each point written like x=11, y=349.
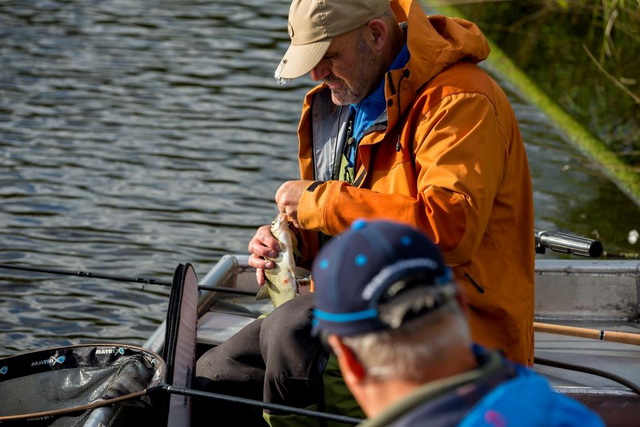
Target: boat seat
x=215, y=327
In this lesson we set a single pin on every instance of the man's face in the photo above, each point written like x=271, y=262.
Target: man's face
x=350, y=68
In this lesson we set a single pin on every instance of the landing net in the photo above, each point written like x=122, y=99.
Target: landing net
x=41, y=385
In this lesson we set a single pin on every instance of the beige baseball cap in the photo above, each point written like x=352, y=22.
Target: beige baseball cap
x=314, y=23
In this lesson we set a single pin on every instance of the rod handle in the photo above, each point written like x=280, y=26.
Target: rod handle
x=621, y=337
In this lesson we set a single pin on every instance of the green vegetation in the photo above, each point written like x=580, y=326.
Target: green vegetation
x=579, y=61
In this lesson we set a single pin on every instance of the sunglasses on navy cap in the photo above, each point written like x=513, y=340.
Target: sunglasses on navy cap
x=421, y=292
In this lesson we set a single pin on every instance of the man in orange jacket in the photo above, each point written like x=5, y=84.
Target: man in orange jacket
x=442, y=152
x=404, y=126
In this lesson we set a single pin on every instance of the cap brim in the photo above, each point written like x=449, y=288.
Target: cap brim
x=298, y=60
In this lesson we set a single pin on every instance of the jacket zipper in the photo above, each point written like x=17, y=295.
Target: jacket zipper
x=474, y=283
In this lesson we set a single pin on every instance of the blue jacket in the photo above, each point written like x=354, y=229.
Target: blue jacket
x=528, y=400
x=498, y=393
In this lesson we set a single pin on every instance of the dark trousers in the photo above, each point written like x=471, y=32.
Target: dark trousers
x=274, y=359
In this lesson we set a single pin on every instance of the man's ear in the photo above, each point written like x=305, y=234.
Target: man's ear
x=351, y=368
x=378, y=32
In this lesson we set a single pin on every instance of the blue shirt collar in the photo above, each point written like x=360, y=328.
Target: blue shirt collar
x=370, y=108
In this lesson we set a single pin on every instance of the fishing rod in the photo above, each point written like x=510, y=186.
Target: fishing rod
x=256, y=403
x=620, y=337
x=141, y=280
x=588, y=370
x=596, y=334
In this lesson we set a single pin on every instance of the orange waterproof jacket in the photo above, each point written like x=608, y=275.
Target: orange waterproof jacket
x=449, y=159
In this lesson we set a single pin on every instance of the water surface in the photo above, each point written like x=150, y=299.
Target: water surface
x=138, y=135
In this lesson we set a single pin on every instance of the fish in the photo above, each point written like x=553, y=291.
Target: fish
x=284, y=280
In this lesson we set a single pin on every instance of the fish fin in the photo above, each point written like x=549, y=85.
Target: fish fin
x=302, y=273
x=263, y=293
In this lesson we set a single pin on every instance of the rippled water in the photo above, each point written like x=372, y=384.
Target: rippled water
x=138, y=135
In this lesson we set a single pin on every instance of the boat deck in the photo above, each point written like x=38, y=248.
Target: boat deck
x=618, y=404
x=571, y=293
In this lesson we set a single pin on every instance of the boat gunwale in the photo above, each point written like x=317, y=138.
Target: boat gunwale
x=623, y=268
x=225, y=273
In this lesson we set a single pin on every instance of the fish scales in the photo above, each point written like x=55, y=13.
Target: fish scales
x=281, y=284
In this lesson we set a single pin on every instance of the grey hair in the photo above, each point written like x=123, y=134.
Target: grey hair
x=425, y=340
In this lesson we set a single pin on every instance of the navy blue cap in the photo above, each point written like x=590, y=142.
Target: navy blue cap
x=357, y=270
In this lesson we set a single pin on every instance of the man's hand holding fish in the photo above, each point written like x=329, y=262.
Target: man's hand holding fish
x=281, y=283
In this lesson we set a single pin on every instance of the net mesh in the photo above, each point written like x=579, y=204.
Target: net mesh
x=75, y=378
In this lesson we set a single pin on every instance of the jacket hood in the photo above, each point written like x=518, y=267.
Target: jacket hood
x=435, y=43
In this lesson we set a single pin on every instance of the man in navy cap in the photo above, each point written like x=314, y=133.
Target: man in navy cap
x=391, y=312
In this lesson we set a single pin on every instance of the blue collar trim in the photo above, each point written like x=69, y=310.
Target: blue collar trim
x=367, y=111
x=345, y=317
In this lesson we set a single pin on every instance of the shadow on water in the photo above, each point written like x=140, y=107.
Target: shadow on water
x=136, y=136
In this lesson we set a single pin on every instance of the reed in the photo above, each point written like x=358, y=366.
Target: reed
x=584, y=54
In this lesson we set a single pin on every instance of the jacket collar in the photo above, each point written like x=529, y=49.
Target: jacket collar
x=435, y=43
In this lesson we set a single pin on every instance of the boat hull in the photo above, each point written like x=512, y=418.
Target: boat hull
x=582, y=293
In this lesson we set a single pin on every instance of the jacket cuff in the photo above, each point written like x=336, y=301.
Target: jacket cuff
x=314, y=185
